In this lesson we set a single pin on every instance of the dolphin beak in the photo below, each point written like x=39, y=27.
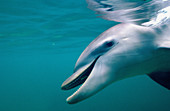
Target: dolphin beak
x=79, y=77
x=91, y=76
x=86, y=76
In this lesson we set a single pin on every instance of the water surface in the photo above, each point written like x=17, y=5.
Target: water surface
x=40, y=42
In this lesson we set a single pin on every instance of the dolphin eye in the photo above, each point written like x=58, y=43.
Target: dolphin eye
x=110, y=43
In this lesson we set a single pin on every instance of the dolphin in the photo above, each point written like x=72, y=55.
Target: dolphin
x=125, y=50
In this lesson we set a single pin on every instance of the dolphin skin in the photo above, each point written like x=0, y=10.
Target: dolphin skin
x=122, y=51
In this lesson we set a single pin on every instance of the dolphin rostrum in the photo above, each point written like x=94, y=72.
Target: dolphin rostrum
x=139, y=45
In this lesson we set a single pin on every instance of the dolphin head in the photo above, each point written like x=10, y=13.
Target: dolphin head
x=116, y=54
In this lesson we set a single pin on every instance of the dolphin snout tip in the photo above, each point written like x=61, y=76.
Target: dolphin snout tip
x=73, y=99
x=62, y=87
x=68, y=100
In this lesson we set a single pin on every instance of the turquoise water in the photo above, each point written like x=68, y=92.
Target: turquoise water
x=40, y=42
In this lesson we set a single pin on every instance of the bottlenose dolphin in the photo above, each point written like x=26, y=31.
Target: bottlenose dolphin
x=139, y=45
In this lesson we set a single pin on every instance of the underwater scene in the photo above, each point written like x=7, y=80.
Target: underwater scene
x=40, y=42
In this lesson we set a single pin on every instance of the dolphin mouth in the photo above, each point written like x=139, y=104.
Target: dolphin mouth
x=79, y=77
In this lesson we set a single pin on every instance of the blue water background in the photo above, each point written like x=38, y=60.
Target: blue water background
x=40, y=42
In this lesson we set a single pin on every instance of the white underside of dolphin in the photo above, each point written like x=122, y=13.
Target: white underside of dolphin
x=120, y=52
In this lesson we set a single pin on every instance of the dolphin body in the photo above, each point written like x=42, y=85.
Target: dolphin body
x=123, y=51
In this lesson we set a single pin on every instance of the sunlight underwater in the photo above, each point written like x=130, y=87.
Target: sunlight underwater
x=40, y=42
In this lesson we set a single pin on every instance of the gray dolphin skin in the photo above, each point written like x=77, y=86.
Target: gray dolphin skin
x=137, y=46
